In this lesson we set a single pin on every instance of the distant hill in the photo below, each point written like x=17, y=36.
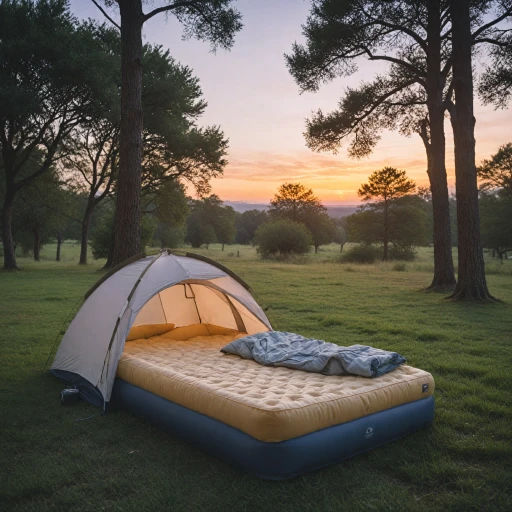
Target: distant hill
x=332, y=210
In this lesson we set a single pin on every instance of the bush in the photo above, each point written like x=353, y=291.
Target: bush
x=361, y=254
x=282, y=238
x=402, y=253
x=399, y=267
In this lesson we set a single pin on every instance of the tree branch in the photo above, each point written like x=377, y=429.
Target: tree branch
x=175, y=5
x=483, y=28
x=105, y=14
x=399, y=62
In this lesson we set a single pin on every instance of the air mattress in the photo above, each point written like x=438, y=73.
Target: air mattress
x=271, y=405
x=281, y=460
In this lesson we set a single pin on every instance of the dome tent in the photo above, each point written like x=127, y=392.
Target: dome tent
x=160, y=289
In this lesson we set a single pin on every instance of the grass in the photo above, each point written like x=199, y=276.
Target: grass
x=51, y=461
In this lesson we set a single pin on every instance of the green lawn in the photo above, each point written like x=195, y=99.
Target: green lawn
x=50, y=461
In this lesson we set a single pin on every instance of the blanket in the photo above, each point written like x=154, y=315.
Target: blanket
x=276, y=348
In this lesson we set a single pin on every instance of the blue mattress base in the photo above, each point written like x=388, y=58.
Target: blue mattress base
x=275, y=461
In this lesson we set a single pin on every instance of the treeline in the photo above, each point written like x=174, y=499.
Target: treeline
x=60, y=119
x=396, y=217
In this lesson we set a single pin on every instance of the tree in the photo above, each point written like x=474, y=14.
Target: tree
x=386, y=185
x=496, y=173
x=471, y=283
x=102, y=234
x=495, y=225
x=322, y=229
x=295, y=202
x=42, y=213
x=283, y=238
x=208, y=20
x=405, y=227
x=298, y=203
x=247, y=223
x=412, y=96
x=340, y=234
x=169, y=205
x=174, y=147
x=225, y=230
x=210, y=221
x=413, y=38
x=495, y=85
x=50, y=70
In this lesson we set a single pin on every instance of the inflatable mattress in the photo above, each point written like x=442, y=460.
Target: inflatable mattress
x=181, y=378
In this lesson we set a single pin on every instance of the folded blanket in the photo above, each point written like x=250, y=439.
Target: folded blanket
x=276, y=348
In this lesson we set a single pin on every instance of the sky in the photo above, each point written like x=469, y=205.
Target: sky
x=256, y=102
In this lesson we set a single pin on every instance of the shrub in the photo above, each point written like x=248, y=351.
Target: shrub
x=282, y=238
x=399, y=267
x=402, y=253
x=361, y=254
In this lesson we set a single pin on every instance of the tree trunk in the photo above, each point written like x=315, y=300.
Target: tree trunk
x=59, y=244
x=316, y=249
x=37, y=243
x=471, y=284
x=128, y=210
x=444, y=273
x=84, y=241
x=223, y=246
x=341, y=247
x=7, y=241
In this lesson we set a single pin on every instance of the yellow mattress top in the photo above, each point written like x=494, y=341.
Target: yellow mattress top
x=270, y=404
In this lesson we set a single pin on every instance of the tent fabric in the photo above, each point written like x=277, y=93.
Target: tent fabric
x=153, y=290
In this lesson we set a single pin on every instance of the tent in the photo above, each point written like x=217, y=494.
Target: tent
x=160, y=289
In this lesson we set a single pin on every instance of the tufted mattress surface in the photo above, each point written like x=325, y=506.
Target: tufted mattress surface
x=270, y=404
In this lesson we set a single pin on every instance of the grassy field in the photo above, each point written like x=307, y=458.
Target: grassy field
x=51, y=461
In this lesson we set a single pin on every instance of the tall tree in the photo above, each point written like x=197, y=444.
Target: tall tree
x=414, y=38
x=174, y=147
x=208, y=20
x=50, y=70
x=471, y=283
x=386, y=186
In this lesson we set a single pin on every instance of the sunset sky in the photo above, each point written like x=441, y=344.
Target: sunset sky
x=256, y=102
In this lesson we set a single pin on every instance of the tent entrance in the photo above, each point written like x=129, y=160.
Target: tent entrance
x=195, y=302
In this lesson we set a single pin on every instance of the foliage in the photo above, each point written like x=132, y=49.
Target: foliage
x=169, y=206
x=387, y=184
x=322, y=228
x=495, y=86
x=247, y=223
x=496, y=173
x=414, y=39
x=495, y=222
x=51, y=69
x=388, y=219
x=362, y=253
x=282, y=238
x=402, y=253
x=405, y=226
x=295, y=202
x=298, y=203
x=167, y=236
x=209, y=221
x=213, y=21
x=103, y=233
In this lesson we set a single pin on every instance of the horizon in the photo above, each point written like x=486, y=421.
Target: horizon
x=255, y=101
